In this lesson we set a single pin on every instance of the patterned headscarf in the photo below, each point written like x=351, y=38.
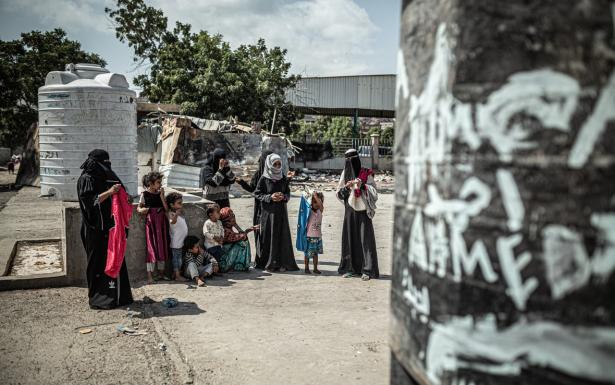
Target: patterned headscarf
x=271, y=172
x=226, y=216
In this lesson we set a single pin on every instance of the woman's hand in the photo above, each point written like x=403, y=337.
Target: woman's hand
x=349, y=183
x=162, y=192
x=277, y=197
x=114, y=189
x=358, y=182
x=222, y=163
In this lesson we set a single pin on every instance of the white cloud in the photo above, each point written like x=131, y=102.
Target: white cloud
x=71, y=15
x=323, y=37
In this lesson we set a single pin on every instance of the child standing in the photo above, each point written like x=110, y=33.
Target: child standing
x=214, y=232
x=309, y=236
x=178, y=230
x=153, y=205
x=199, y=264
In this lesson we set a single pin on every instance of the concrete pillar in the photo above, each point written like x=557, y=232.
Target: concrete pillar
x=375, y=150
x=504, y=241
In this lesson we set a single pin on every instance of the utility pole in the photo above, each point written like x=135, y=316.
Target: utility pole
x=275, y=111
x=504, y=242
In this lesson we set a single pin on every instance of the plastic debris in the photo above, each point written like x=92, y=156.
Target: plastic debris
x=131, y=331
x=133, y=314
x=170, y=302
x=162, y=347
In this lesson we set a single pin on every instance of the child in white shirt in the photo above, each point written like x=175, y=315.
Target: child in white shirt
x=178, y=229
x=214, y=232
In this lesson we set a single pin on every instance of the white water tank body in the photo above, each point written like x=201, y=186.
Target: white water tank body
x=80, y=109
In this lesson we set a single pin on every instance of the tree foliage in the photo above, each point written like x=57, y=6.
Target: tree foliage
x=24, y=64
x=325, y=128
x=387, y=135
x=201, y=72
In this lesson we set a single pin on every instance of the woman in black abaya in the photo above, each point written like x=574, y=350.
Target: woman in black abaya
x=256, y=219
x=95, y=187
x=357, y=190
x=273, y=191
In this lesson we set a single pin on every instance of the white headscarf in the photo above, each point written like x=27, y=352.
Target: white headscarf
x=271, y=172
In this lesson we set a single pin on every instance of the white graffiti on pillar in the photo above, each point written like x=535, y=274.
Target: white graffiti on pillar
x=436, y=119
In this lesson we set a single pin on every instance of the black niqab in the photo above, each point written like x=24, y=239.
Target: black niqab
x=98, y=166
x=352, y=168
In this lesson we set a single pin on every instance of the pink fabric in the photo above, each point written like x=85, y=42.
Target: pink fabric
x=121, y=211
x=314, y=224
x=157, y=235
x=363, y=175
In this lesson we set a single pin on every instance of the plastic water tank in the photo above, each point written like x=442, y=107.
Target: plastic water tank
x=80, y=109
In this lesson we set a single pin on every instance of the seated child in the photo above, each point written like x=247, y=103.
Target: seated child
x=214, y=232
x=198, y=263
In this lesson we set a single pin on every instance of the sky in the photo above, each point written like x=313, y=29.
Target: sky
x=323, y=37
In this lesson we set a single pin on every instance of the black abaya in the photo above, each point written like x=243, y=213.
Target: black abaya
x=276, y=248
x=104, y=292
x=256, y=219
x=359, y=254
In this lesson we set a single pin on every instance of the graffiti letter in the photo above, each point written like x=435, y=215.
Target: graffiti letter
x=419, y=299
x=438, y=248
x=518, y=290
x=565, y=260
x=594, y=126
x=417, y=249
x=511, y=199
x=603, y=260
x=478, y=255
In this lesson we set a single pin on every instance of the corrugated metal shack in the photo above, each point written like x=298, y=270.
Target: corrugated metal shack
x=362, y=95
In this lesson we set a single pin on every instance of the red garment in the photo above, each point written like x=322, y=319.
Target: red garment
x=363, y=175
x=121, y=210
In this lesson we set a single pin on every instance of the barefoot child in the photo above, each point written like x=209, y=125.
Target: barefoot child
x=309, y=236
x=214, y=232
x=179, y=231
x=199, y=263
x=153, y=205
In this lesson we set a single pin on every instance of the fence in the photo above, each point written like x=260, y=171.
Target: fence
x=362, y=145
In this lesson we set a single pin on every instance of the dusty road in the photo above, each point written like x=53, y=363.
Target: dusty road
x=243, y=328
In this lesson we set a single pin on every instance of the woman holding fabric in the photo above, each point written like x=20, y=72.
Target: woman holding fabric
x=95, y=188
x=273, y=191
x=357, y=190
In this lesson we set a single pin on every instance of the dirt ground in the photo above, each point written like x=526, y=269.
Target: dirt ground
x=6, y=187
x=243, y=328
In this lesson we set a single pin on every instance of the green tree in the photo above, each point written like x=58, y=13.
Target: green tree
x=201, y=72
x=24, y=64
x=388, y=135
x=340, y=127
